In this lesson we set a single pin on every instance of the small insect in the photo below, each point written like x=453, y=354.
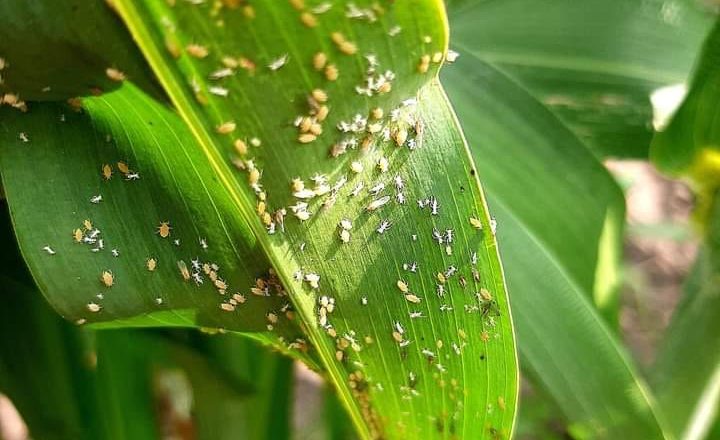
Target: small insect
x=400, y=198
x=226, y=127
x=107, y=172
x=96, y=199
x=94, y=308
x=107, y=278
x=197, y=50
x=449, y=236
x=474, y=259
x=414, y=315
x=378, y=203
x=176, y=242
x=384, y=226
x=197, y=278
x=476, y=223
x=402, y=285
x=364, y=300
x=278, y=62
x=437, y=236
x=412, y=267
x=158, y=301
x=440, y=290
x=227, y=307
x=375, y=190
x=151, y=264
x=164, y=229
x=319, y=60
x=203, y=243
x=434, y=206
x=450, y=271
x=24, y=137
x=383, y=164
x=345, y=236
x=411, y=297
x=183, y=270
x=394, y=31
x=101, y=244
x=49, y=250
x=313, y=279
x=115, y=253
x=493, y=225
x=357, y=189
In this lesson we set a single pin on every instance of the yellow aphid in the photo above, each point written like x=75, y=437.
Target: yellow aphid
x=229, y=62
x=402, y=285
x=241, y=147
x=184, y=272
x=441, y=278
x=94, y=308
x=197, y=50
x=298, y=4
x=400, y=136
x=385, y=88
x=412, y=298
x=261, y=208
x=319, y=60
x=305, y=124
x=315, y=129
x=297, y=185
x=348, y=47
x=220, y=284
x=266, y=218
x=240, y=298
x=308, y=19
x=397, y=336
x=226, y=127
x=345, y=236
x=319, y=95
x=87, y=224
x=272, y=318
x=107, y=171
x=122, y=166
x=377, y=113
x=383, y=164
x=172, y=47
x=254, y=176
x=78, y=235
x=339, y=355
x=322, y=113
x=485, y=294
x=424, y=64
x=331, y=72
x=227, y=307
x=114, y=74
x=306, y=138
x=151, y=264
x=476, y=223
x=107, y=278
x=501, y=403
x=164, y=229
x=437, y=57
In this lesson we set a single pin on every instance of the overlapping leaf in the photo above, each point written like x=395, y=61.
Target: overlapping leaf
x=554, y=203
x=593, y=63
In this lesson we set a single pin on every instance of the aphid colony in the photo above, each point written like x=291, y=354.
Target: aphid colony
x=369, y=179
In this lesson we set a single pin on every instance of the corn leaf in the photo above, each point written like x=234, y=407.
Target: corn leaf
x=593, y=63
x=439, y=342
x=554, y=203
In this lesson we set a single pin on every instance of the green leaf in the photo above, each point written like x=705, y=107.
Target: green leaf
x=175, y=184
x=59, y=50
x=593, y=63
x=691, y=142
x=553, y=201
x=686, y=374
x=455, y=366
x=371, y=263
